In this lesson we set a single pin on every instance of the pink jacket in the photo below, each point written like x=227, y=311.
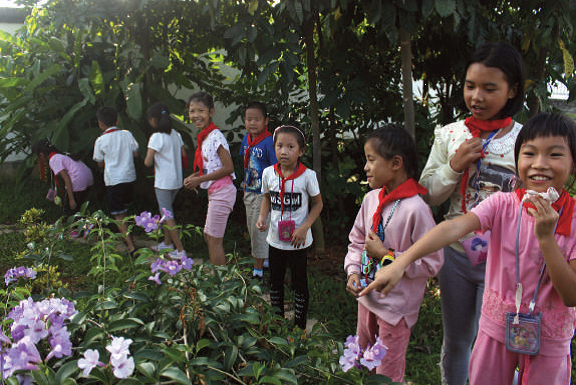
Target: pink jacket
x=411, y=220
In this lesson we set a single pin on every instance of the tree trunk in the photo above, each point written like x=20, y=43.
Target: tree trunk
x=406, y=56
x=317, y=228
x=539, y=73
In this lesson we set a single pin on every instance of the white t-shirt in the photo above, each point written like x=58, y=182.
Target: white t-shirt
x=116, y=149
x=210, y=158
x=297, y=195
x=167, y=160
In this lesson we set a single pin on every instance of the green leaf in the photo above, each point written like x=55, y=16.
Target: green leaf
x=86, y=89
x=66, y=371
x=66, y=257
x=127, y=323
x=568, y=63
x=252, y=6
x=286, y=375
x=176, y=375
x=230, y=356
x=202, y=344
x=134, y=100
x=96, y=78
x=147, y=368
x=270, y=380
x=246, y=317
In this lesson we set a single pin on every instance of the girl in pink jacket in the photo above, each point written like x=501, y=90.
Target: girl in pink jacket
x=391, y=219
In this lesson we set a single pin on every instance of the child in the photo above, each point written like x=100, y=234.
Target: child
x=258, y=152
x=165, y=152
x=531, y=257
x=470, y=160
x=289, y=235
x=76, y=175
x=216, y=173
x=391, y=219
x=115, y=150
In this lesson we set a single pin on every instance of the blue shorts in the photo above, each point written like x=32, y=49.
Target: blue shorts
x=120, y=197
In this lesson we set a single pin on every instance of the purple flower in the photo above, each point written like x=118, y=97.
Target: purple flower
x=13, y=274
x=119, y=346
x=354, y=355
x=155, y=266
x=21, y=356
x=155, y=278
x=122, y=366
x=90, y=361
x=147, y=221
x=186, y=263
x=60, y=342
x=166, y=214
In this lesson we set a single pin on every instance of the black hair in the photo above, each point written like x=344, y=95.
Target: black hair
x=507, y=59
x=393, y=140
x=547, y=124
x=298, y=134
x=257, y=106
x=43, y=146
x=203, y=97
x=107, y=115
x=160, y=112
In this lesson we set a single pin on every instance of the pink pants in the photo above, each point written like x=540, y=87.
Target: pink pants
x=220, y=205
x=395, y=338
x=492, y=364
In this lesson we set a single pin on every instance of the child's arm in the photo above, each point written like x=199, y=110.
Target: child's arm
x=227, y=168
x=563, y=278
x=442, y=235
x=264, y=210
x=299, y=235
x=69, y=191
x=149, y=160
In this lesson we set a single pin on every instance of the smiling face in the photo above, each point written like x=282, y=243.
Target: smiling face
x=486, y=91
x=287, y=151
x=379, y=170
x=545, y=162
x=200, y=114
x=255, y=122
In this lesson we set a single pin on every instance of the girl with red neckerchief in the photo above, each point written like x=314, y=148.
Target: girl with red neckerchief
x=469, y=161
x=288, y=189
x=392, y=217
x=215, y=173
x=528, y=317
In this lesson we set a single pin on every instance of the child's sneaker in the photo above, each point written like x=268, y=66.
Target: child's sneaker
x=161, y=246
x=266, y=263
x=175, y=254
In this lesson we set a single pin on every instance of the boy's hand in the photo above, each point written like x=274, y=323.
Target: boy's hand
x=353, y=285
x=385, y=280
x=545, y=217
x=299, y=237
x=468, y=153
x=261, y=224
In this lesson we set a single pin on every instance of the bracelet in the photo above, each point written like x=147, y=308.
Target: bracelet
x=388, y=258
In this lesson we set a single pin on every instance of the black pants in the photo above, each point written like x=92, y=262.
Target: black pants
x=296, y=260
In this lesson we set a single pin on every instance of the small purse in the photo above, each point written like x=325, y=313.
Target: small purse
x=523, y=333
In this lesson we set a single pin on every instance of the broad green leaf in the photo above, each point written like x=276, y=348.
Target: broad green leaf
x=252, y=6
x=127, y=323
x=86, y=89
x=270, y=380
x=568, y=63
x=96, y=78
x=202, y=344
x=147, y=368
x=176, y=375
x=230, y=355
x=130, y=381
x=286, y=375
x=12, y=82
x=66, y=371
x=246, y=317
x=134, y=101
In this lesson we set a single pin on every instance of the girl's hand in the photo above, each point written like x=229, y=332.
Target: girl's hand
x=353, y=285
x=468, y=153
x=373, y=245
x=545, y=217
x=192, y=181
x=299, y=237
x=261, y=224
x=385, y=280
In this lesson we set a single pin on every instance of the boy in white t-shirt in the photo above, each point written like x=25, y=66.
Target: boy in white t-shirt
x=115, y=150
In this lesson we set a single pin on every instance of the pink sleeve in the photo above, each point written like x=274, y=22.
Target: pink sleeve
x=353, y=260
x=486, y=209
x=57, y=163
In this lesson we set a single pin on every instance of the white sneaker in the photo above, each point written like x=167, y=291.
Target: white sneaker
x=175, y=254
x=266, y=263
x=161, y=246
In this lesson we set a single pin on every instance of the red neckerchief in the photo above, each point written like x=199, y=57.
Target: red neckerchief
x=110, y=130
x=476, y=127
x=198, y=161
x=565, y=202
x=407, y=189
x=251, y=143
x=300, y=169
